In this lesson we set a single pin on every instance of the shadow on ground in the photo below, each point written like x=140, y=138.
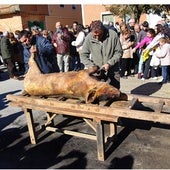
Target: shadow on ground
x=3, y=101
x=147, y=89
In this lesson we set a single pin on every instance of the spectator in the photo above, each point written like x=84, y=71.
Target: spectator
x=140, y=36
x=58, y=26
x=25, y=49
x=79, y=44
x=143, y=31
x=61, y=41
x=74, y=28
x=141, y=45
x=80, y=38
x=127, y=44
x=45, y=51
x=117, y=26
x=111, y=26
x=6, y=51
x=159, y=30
x=163, y=52
x=17, y=59
x=102, y=47
x=131, y=24
x=123, y=26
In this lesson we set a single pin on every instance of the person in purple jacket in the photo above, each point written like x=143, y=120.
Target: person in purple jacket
x=141, y=45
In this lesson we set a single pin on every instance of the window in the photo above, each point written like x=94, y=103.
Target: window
x=73, y=6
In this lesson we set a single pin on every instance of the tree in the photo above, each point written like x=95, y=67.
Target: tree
x=136, y=11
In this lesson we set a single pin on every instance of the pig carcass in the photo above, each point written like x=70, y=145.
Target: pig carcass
x=73, y=84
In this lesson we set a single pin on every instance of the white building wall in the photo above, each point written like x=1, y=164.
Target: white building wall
x=153, y=19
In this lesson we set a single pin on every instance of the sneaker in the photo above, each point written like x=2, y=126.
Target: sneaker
x=155, y=78
x=162, y=82
x=14, y=77
x=143, y=79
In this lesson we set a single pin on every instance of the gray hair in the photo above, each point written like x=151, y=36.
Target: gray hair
x=5, y=33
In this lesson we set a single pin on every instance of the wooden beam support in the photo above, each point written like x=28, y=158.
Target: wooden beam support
x=100, y=140
x=30, y=123
x=50, y=118
x=72, y=133
x=90, y=123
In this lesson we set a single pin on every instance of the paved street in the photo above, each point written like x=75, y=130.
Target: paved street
x=140, y=144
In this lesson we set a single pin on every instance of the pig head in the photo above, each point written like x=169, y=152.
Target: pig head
x=72, y=84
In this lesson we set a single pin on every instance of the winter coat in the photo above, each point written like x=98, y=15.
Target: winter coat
x=63, y=43
x=79, y=41
x=141, y=36
x=6, y=49
x=147, y=40
x=127, y=47
x=155, y=41
x=163, y=53
x=96, y=53
x=46, y=56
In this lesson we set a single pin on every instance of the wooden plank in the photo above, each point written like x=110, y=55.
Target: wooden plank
x=72, y=133
x=90, y=123
x=87, y=110
x=159, y=106
x=149, y=99
x=113, y=129
x=50, y=117
x=31, y=127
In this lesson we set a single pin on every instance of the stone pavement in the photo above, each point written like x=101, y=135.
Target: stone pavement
x=140, y=144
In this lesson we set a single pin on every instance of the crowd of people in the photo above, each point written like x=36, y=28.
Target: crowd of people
x=119, y=50
x=54, y=51
x=141, y=45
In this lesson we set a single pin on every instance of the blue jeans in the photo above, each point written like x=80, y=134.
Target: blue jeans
x=165, y=73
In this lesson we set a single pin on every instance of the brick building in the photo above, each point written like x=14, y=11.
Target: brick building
x=17, y=17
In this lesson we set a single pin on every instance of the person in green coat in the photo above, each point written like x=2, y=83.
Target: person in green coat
x=6, y=51
x=102, y=48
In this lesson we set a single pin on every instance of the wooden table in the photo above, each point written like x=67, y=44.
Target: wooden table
x=94, y=115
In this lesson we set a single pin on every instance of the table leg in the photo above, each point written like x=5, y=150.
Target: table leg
x=30, y=123
x=100, y=140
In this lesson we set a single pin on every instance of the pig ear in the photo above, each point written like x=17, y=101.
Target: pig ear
x=91, y=95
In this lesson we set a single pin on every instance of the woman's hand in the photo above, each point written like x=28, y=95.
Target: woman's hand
x=134, y=50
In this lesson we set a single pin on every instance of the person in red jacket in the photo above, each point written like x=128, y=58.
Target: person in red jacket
x=61, y=41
